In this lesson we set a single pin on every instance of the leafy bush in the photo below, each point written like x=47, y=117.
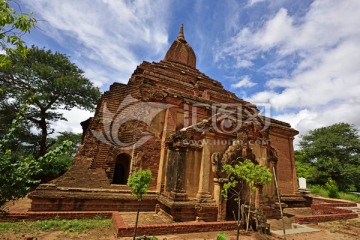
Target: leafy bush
x=319, y=190
x=147, y=238
x=221, y=236
x=19, y=173
x=16, y=176
x=332, y=188
x=56, y=162
x=16, y=172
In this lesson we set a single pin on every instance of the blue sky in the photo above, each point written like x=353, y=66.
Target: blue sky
x=301, y=57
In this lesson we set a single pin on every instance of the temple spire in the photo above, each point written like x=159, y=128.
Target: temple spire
x=180, y=51
x=181, y=36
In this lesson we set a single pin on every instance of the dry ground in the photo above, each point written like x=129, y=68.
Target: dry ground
x=336, y=230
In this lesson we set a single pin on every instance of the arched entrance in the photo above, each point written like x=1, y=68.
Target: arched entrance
x=122, y=169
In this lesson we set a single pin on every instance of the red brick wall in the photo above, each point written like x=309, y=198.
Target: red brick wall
x=150, y=159
x=122, y=230
x=324, y=218
x=319, y=209
x=68, y=204
x=284, y=166
x=327, y=210
x=334, y=203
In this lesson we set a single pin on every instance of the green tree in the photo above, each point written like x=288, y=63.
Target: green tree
x=53, y=82
x=13, y=24
x=303, y=168
x=61, y=162
x=75, y=138
x=244, y=172
x=139, y=182
x=65, y=146
x=18, y=173
x=335, y=153
x=24, y=141
x=16, y=176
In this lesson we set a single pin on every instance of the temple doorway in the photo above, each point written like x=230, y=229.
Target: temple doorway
x=122, y=169
x=232, y=203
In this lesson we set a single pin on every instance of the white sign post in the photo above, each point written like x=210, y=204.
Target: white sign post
x=302, y=183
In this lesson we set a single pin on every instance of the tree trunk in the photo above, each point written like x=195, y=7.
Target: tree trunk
x=137, y=219
x=238, y=219
x=44, y=134
x=248, y=217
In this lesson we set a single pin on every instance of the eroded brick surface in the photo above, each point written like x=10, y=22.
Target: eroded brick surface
x=324, y=210
x=180, y=112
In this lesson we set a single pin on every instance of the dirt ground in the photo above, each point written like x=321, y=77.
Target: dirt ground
x=336, y=230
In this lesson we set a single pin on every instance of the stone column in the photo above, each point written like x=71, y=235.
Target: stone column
x=169, y=127
x=175, y=174
x=219, y=199
x=259, y=201
x=204, y=179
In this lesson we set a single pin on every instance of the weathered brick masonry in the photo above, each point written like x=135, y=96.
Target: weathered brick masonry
x=324, y=210
x=123, y=230
x=183, y=125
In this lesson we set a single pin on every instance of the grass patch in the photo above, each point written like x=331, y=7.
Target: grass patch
x=73, y=225
x=11, y=226
x=350, y=196
x=320, y=190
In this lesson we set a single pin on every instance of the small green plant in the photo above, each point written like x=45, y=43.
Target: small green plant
x=332, y=188
x=99, y=217
x=319, y=190
x=139, y=182
x=147, y=238
x=252, y=174
x=221, y=236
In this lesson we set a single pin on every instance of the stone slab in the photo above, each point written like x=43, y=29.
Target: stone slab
x=296, y=229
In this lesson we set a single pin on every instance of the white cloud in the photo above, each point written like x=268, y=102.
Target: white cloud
x=245, y=82
x=105, y=34
x=74, y=117
x=323, y=84
x=276, y=31
x=307, y=119
x=253, y=2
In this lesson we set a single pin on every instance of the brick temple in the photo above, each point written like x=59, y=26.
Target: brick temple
x=183, y=126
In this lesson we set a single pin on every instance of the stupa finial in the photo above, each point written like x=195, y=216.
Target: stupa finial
x=181, y=36
x=180, y=51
